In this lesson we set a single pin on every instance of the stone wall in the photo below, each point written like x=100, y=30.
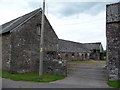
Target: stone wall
x=6, y=51
x=0, y=49
x=74, y=56
x=21, y=48
x=55, y=67
x=25, y=47
x=113, y=41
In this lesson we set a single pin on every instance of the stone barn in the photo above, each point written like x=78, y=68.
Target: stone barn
x=96, y=50
x=74, y=51
x=21, y=45
x=113, y=41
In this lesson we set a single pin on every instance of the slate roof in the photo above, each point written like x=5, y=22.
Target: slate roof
x=70, y=46
x=91, y=46
x=16, y=22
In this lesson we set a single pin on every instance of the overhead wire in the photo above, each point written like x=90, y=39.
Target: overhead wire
x=46, y=8
x=46, y=4
x=75, y=23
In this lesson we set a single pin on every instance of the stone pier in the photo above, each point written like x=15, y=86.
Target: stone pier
x=113, y=41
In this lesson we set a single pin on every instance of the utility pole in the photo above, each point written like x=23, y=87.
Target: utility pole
x=42, y=42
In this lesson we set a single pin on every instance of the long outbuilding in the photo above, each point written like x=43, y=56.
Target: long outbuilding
x=74, y=51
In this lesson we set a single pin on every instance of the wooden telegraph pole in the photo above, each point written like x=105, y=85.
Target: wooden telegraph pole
x=42, y=42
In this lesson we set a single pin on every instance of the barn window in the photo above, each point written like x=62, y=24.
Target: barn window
x=86, y=55
x=48, y=53
x=66, y=55
x=82, y=55
x=73, y=54
x=94, y=50
x=38, y=29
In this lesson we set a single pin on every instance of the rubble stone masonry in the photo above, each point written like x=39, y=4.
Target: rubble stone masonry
x=113, y=41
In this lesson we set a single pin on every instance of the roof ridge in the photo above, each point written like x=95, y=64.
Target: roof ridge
x=93, y=43
x=20, y=16
x=70, y=41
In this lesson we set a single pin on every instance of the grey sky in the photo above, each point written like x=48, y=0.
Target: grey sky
x=71, y=8
x=82, y=22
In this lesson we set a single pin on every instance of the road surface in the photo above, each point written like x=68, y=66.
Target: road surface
x=80, y=75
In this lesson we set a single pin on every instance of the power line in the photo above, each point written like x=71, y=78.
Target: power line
x=74, y=23
x=46, y=8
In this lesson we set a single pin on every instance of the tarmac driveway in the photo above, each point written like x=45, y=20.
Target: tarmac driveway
x=86, y=75
x=80, y=75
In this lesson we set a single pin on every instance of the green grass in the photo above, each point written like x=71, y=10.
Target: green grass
x=115, y=84
x=0, y=73
x=34, y=77
x=90, y=62
x=104, y=58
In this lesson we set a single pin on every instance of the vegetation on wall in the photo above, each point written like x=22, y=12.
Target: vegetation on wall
x=115, y=84
x=104, y=54
x=0, y=73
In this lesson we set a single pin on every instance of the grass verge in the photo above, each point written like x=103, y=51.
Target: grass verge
x=34, y=77
x=90, y=62
x=115, y=84
x=0, y=73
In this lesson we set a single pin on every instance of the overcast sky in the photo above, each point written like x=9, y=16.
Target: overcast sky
x=83, y=22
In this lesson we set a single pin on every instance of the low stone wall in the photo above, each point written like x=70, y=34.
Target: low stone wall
x=55, y=67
